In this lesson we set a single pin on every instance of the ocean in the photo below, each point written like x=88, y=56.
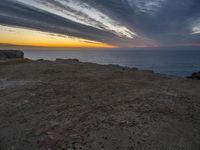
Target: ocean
x=172, y=62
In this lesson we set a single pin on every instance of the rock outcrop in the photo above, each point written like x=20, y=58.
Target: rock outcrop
x=11, y=54
x=195, y=75
x=71, y=105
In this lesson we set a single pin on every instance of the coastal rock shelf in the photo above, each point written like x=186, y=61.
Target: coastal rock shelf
x=10, y=54
x=70, y=105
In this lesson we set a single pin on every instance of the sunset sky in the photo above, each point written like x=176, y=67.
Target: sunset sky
x=100, y=23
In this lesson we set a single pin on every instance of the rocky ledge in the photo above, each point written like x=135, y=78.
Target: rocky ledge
x=11, y=54
x=70, y=105
x=195, y=75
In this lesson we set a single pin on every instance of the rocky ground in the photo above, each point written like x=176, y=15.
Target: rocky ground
x=69, y=105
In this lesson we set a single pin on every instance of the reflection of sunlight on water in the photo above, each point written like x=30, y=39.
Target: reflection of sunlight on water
x=181, y=63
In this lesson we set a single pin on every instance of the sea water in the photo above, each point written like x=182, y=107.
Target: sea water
x=173, y=61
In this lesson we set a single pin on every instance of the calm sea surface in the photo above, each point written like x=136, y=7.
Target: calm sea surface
x=172, y=62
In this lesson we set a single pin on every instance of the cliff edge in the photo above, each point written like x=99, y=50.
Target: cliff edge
x=70, y=105
x=11, y=54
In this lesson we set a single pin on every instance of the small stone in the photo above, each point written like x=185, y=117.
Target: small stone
x=55, y=124
x=146, y=135
x=12, y=148
x=52, y=135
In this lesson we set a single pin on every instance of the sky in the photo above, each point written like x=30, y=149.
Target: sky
x=100, y=23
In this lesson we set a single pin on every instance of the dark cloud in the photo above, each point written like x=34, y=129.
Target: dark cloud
x=121, y=22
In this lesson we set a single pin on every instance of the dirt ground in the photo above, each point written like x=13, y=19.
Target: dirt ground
x=69, y=105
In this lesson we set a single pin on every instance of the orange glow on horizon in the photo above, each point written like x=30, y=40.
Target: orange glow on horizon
x=26, y=37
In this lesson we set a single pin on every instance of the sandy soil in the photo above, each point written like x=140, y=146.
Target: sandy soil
x=68, y=105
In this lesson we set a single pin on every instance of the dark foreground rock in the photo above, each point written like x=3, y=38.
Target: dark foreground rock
x=195, y=75
x=10, y=54
x=69, y=105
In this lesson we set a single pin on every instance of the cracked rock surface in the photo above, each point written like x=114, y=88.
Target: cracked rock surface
x=70, y=105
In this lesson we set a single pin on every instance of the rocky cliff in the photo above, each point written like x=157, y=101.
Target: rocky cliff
x=11, y=54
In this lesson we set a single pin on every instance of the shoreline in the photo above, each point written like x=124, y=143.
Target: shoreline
x=25, y=60
x=181, y=68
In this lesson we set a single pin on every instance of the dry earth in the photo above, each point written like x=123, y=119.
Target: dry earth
x=69, y=105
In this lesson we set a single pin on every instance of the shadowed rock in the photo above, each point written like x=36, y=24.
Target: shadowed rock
x=10, y=54
x=195, y=75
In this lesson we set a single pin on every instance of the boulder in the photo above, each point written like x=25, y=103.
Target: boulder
x=10, y=54
x=66, y=60
x=195, y=75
